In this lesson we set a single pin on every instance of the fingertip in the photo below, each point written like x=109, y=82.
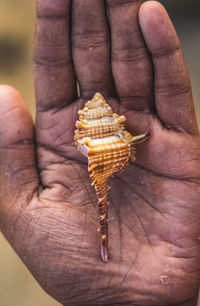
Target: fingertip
x=15, y=117
x=156, y=26
x=149, y=9
x=8, y=92
x=10, y=98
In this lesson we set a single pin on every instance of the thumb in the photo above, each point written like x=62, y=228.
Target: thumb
x=18, y=173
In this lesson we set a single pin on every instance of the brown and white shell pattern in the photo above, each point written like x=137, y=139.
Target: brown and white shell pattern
x=102, y=139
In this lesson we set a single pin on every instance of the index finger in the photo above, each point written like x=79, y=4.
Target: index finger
x=54, y=74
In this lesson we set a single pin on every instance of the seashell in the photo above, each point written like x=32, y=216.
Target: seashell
x=101, y=137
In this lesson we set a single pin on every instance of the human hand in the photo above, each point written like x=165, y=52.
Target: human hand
x=48, y=206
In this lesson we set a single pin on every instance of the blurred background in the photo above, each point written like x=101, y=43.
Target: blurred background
x=17, y=20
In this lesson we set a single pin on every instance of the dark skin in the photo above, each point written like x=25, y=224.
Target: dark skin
x=48, y=207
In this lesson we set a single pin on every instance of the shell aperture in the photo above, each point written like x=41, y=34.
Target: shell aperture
x=101, y=137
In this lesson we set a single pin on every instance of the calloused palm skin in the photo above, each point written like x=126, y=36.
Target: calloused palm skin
x=48, y=206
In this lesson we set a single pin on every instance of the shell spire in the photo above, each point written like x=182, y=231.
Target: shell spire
x=101, y=137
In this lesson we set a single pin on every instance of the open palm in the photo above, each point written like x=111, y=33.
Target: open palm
x=48, y=206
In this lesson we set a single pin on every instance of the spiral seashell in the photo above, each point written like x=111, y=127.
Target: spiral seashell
x=102, y=139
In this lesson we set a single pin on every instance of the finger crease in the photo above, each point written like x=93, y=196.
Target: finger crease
x=52, y=62
x=56, y=106
x=52, y=17
x=165, y=52
x=172, y=90
x=129, y=55
x=119, y=4
x=21, y=143
x=136, y=103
